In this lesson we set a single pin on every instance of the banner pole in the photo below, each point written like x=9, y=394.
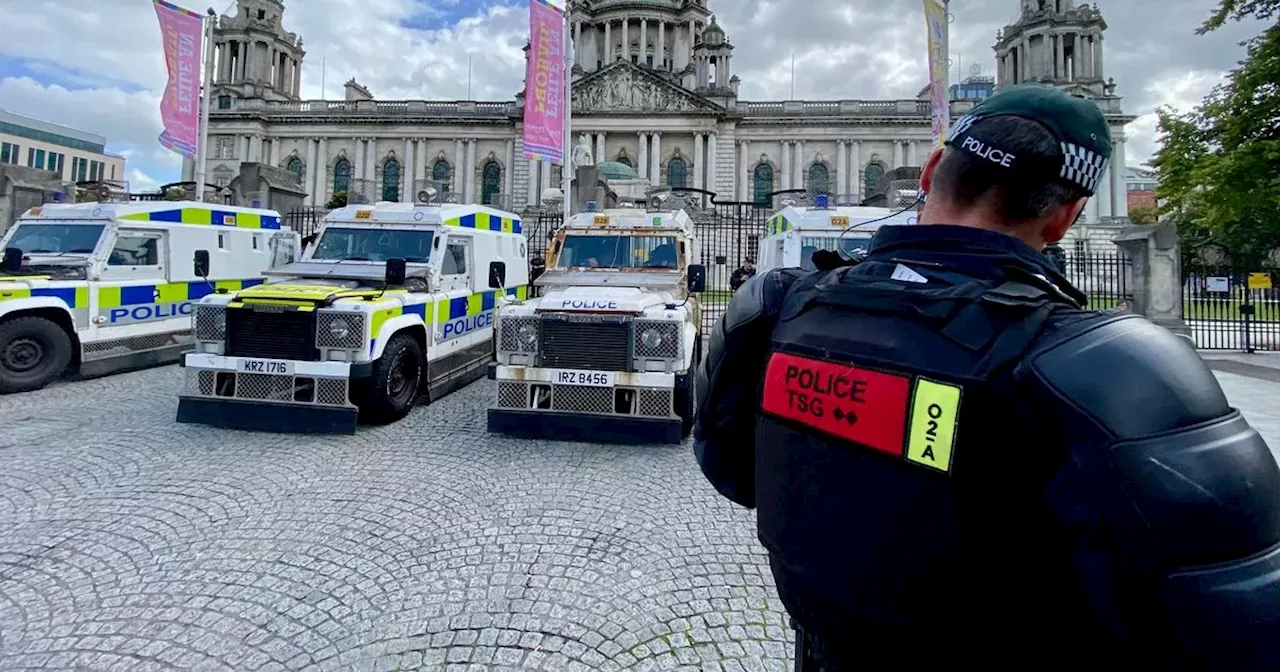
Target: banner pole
x=202, y=144
x=566, y=162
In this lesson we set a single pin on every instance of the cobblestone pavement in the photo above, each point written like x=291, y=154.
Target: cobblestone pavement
x=130, y=542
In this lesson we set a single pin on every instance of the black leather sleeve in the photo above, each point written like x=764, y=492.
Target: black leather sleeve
x=728, y=383
x=1185, y=494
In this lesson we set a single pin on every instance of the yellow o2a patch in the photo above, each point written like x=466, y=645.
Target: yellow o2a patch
x=931, y=432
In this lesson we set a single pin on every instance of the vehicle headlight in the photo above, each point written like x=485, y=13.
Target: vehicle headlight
x=339, y=329
x=651, y=338
x=527, y=335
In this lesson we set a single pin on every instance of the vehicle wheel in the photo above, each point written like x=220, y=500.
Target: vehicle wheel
x=397, y=377
x=686, y=400
x=33, y=352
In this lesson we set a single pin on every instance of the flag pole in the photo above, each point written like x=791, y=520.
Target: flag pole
x=566, y=164
x=202, y=143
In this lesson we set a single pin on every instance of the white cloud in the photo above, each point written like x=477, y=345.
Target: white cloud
x=102, y=68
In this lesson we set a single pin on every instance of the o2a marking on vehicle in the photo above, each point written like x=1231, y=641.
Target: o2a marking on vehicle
x=270, y=367
x=582, y=378
x=906, y=417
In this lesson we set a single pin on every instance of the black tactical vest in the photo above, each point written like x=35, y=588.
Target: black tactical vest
x=888, y=452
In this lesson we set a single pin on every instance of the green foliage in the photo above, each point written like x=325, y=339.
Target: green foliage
x=1142, y=215
x=338, y=200
x=1219, y=165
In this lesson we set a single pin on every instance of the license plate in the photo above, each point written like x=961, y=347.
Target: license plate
x=271, y=367
x=587, y=378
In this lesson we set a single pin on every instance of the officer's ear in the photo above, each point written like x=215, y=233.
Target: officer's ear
x=1061, y=220
x=926, y=176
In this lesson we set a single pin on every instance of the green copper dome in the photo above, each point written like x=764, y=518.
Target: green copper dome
x=613, y=170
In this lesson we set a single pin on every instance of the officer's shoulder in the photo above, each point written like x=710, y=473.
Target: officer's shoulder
x=761, y=296
x=1132, y=376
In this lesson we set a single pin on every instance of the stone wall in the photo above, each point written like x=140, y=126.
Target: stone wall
x=22, y=188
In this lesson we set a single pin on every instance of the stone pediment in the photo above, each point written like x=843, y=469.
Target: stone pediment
x=623, y=87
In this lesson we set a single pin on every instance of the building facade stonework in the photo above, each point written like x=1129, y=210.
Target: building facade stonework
x=653, y=88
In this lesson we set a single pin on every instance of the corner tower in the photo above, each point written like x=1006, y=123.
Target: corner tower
x=257, y=57
x=1055, y=42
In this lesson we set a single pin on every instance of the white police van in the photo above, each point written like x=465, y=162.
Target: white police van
x=794, y=233
x=391, y=300
x=96, y=288
x=608, y=352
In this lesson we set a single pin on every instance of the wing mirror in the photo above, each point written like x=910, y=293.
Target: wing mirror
x=200, y=265
x=497, y=274
x=397, y=272
x=697, y=277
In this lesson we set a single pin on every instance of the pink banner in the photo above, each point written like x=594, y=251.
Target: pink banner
x=182, y=31
x=544, y=105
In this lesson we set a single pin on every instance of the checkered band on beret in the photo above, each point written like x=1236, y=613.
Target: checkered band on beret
x=1082, y=166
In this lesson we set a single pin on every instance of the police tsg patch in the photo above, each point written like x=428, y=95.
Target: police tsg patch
x=906, y=417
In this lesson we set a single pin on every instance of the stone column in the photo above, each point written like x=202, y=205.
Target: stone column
x=297, y=78
x=784, y=167
x=711, y=161
x=532, y=185
x=471, y=170
x=1097, y=48
x=322, y=172
x=1104, y=194
x=244, y=153
x=912, y=156
x=1024, y=62
x=357, y=170
x=275, y=152
x=698, y=158
x=626, y=40
x=578, y=51
x=798, y=177
x=309, y=173
x=855, y=170
x=1155, y=275
x=544, y=183
x=644, y=39
x=1119, y=190
x=842, y=172
x=608, y=42
x=642, y=155
x=406, y=173
x=662, y=45
x=1076, y=57
x=655, y=158
x=371, y=160
x=459, y=183
x=600, y=148
x=1060, y=57
x=508, y=173
x=420, y=159
x=744, y=170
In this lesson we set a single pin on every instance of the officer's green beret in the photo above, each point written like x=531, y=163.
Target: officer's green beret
x=1077, y=124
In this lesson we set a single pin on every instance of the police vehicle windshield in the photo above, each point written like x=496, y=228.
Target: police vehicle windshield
x=623, y=251
x=849, y=244
x=56, y=237
x=351, y=244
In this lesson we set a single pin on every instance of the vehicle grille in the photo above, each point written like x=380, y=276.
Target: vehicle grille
x=272, y=335
x=595, y=345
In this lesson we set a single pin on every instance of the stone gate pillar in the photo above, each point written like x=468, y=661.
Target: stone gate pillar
x=1155, y=275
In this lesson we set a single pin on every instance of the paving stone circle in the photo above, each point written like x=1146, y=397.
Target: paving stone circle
x=130, y=542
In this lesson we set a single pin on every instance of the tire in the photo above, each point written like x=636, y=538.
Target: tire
x=396, y=381
x=34, y=351
x=686, y=400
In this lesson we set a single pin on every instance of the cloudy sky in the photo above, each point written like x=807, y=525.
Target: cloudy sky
x=97, y=64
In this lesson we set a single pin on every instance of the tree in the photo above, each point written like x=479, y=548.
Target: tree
x=338, y=200
x=1219, y=165
x=1142, y=215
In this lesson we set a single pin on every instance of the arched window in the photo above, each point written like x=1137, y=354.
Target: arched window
x=341, y=176
x=490, y=182
x=440, y=172
x=299, y=171
x=875, y=171
x=763, y=183
x=625, y=161
x=677, y=173
x=819, y=179
x=391, y=180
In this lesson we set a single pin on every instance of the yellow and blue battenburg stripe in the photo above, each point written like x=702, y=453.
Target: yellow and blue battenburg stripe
x=444, y=309
x=483, y=221
x=778, y=224
x=171, y=292
x=74, y=297
x=208, y=217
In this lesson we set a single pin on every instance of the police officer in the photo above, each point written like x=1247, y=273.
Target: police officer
x=954, y=464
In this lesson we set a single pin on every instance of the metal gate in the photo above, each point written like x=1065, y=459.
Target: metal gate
x=1230, y=301
x=728, y=233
